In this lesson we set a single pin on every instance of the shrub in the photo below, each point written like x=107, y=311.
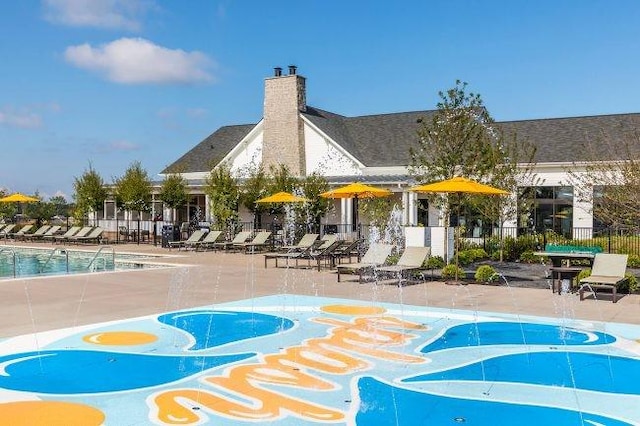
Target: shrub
x=529, y=257
x=479, y=254
x=449, y=271
x=633, y=261
x=485, y=274
x=584, y=274
x=630, y=285
x=434, y=262
x=465, y=257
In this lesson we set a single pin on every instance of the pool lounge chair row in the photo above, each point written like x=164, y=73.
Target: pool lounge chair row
x=214, y=240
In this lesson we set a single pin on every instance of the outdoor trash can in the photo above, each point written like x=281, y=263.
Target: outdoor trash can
x=169, y=233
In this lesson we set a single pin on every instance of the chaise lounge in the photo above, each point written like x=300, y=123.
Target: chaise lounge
x=608, y=271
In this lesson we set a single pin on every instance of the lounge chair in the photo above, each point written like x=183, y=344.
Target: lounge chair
x=376, y=255
x=411, y=260
x=346, y=250
x=81, y=233
x=240, y=237
x=23, y=231
x=323, y=252
x=94, y=236
x=212, y=237
x=7, y=230
x=607, y=272
x=196, y=236
x=49, y=232
x=305, y=242
x=259, y=242
x=327, y=240
x=71, y=231
x=38, y=233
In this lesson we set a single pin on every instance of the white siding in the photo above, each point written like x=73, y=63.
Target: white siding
x=325, y=157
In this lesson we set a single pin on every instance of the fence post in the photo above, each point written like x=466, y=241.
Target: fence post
x=609, y=240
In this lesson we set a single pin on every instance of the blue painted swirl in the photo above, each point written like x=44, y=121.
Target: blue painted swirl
x=383, y=404
x=79, y=371
x=514, y=333
x=581, y=370
x=215, y=328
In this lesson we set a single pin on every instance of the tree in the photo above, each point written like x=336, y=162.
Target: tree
x=461, y=138
x=255, y=186
x=611, y=187
x=223, y=191
x=174, y=192
x=311, y=187
x=89, y=193
x=133, y=189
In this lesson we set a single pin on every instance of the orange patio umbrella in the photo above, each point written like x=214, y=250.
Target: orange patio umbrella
x=458, y=185
x=19, y=198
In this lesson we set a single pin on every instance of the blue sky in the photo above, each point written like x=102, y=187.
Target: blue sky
x=109, y=82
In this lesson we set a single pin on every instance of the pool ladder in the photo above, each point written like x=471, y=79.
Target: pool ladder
x=13, y=253
x=95, y=256
x=66, y=253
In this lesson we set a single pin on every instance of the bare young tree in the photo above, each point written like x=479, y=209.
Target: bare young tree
x=611, y=187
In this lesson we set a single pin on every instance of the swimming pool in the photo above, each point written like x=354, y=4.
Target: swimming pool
x=297, y=360
x=31, y=262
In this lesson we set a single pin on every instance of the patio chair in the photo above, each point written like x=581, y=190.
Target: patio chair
x=53, y=230
x=7, y=230
x=71, y=231
x=323, y=252
x=84, y=231
x=327, y=240
x=376, y=255
x=411, y=260
x=39, y=232
x=259, y=242
x=24, y=230
x=94, y=236
x=346, y=250
x=196, y=236
x=608, y=271
x=240, y=237
x=306, y=241
x=210, y=238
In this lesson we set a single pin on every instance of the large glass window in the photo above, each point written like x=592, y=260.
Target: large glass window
x=546, y=208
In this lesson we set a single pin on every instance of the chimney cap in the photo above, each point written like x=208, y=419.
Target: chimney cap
x=292, y=69
x=277, y=71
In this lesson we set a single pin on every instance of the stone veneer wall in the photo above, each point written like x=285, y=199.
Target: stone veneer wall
x=283, y=137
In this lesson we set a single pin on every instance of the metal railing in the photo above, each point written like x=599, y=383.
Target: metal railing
x=95, y=256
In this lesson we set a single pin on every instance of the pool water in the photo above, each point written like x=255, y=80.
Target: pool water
x=298, y=360
x=42, y=262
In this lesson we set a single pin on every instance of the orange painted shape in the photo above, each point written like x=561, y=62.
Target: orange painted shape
x=353, y=310
x=49, y=413
x=120, y=338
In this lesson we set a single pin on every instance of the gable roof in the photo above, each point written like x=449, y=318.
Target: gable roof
x=211, y=150
x=384, y=139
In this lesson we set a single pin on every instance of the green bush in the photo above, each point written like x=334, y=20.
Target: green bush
x=449, y=271
x=529, y=257
x=630, y=285
x=465, y=257
x=495, y=255
x=434, y=262
x=584, y=274
x=633, y=261
x=479, y=254
x=485, y=274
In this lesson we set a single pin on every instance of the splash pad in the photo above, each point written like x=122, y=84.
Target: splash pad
x=295, y=360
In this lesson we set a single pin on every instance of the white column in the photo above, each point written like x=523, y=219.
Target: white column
x=207, y=209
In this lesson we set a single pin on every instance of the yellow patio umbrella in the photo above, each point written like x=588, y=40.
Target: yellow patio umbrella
x=356, y=191
x=282, y=197
x=18, y=198
x=458, y=185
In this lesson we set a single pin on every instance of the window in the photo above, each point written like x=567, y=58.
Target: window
x=546, y=208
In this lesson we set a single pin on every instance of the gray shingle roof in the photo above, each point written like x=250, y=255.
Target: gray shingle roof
x=211, y=150
x=384, y=139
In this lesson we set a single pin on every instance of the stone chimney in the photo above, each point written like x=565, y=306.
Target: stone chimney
x=284, y=99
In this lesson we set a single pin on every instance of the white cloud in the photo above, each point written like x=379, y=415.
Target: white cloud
x=24, y=119
x=139, y=61
x=115, y=14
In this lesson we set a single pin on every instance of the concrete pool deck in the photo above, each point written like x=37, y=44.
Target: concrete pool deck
x=207, y=278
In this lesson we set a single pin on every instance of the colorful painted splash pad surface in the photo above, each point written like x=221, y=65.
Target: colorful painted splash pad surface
x=292, y=360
